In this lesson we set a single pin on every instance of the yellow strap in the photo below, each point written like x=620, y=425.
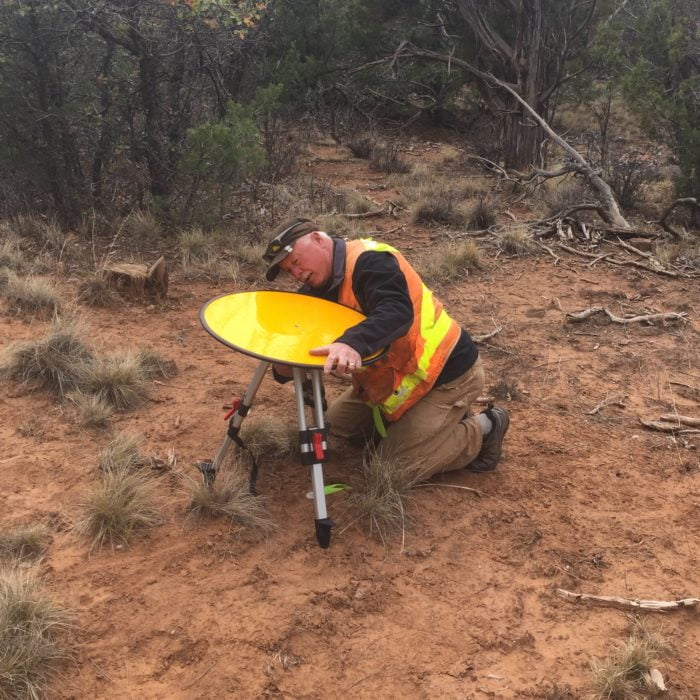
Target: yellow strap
x=378, y=422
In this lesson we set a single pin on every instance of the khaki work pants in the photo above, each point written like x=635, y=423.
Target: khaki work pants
x=436, y=435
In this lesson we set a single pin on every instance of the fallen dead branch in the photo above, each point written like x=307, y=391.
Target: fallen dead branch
x=667, y=427
x=597, y=257
x=642, y=266
x=642, y=318
x=626, y=603
x=681, y=420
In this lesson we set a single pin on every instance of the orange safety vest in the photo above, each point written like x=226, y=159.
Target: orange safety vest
x=412, y=362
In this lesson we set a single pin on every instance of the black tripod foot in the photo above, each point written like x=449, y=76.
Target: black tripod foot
x=208, y=472
x=323, y=532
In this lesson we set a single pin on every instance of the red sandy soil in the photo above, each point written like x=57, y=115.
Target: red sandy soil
x=461, y=605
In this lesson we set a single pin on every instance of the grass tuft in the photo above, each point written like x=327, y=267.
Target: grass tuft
x=155, y=366
x=11, y=255
x=24, y=543
x=195, y=246
x=93, y=410
x=95, y=292
x=142, y=226
x=123, y=453
x=230, y=498
x=31, y=296
x=625, y=675
x=117, y=379
x=380, y=503
x=516, y=241
x=452, y=261
x=270, y=437
x=438, y=205
x=30, y=627
x=121, y=504
x=361, y=145
x=54, y=363
x=387, y=159
x=480, y=214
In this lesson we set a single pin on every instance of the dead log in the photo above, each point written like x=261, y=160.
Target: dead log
x=136, y=280
x=627, y=603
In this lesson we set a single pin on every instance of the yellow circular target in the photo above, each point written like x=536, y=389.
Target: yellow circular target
x=278, y=326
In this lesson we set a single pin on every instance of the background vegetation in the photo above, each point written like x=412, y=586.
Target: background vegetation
x=190, y=109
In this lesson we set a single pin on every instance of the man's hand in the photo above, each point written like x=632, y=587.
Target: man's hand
x=341, y=357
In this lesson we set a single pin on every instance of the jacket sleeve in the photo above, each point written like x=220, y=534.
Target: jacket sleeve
x=382, y=292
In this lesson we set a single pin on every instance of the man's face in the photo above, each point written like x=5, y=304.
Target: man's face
x=311, y=260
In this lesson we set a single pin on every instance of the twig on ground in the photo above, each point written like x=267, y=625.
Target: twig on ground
x=486, y=336
x=625, y=603
x=550, y=251
x=610, y=401
x=451, y=486
x=199, y=678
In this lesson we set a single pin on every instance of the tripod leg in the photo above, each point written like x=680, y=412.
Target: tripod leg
x=313, y=451
x=210, y=469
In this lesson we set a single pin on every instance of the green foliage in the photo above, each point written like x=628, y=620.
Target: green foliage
x=656, y=54
x=218, y=156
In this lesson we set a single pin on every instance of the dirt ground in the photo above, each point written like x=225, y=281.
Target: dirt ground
x=463, y=604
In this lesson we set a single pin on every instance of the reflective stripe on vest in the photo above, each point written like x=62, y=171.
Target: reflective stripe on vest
x=413, y=361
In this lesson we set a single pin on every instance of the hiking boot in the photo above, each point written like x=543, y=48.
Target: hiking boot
x=490, y=453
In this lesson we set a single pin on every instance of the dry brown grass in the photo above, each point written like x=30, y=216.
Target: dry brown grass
x=141, y=226
x=213, y=268
x=95, y=292
x=270, y=437
x=195, y=246
x=229, y=498
x=31, y=296
x=55, y=362
x=380, y=501
x=480, y=213
x=625, y=675
x=361, y=145
x=357, y=204
x=420, y=175
x=119, y=506
x=387, y=159
x=26, y=542
x=11, y=255
x=123, y=453
x=451, y=262
x=31, y=627
x=153, y=365
x=93, y=411
x=117, y=379
x=438, y=203
x=516, y=241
